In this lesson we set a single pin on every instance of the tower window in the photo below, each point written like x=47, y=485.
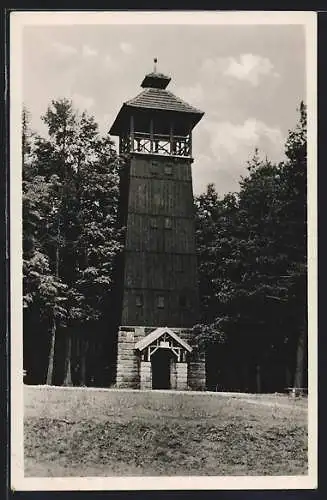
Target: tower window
x=154, y=222
x=168, y=223
x=139, y=300
x=160, y=301
x=168, y=170
x=154, y=168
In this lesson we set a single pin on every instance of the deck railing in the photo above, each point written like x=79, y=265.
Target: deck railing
x=160, y=144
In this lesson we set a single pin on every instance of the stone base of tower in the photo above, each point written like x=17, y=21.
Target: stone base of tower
x=128, y=362
x=141, y=353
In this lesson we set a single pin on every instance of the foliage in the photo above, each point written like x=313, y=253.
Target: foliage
x=251, y=249
x=252, y=258
x=70, y=199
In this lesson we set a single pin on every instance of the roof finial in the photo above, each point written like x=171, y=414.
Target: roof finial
x=155, y=60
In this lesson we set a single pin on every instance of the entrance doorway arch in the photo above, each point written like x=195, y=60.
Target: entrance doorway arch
x=164, y=360
x=163, y=367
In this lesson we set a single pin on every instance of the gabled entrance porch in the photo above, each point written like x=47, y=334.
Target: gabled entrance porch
x=164, y=360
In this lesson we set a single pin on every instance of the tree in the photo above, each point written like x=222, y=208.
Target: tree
x=43, y=291
x=252, y=263
x=295, y=225
x=74, y=188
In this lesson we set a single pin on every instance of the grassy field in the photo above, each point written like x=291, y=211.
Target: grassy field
x=91, y=432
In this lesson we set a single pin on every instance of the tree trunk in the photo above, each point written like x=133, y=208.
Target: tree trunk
x=288, y=377
x=83, y=361
x=245, y=373
x=68, y=370
x=58, y=249
x=54, y=324
x=258, y=379
x=52, y=352
x=299, y=368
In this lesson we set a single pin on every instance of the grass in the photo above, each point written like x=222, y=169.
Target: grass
x=91, y=432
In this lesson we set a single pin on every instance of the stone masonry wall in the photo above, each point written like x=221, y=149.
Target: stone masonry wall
x=181, y=376
x=145, y=375
x=197, y=375
x=128, y=361
x=196, y=371
x=129, y=367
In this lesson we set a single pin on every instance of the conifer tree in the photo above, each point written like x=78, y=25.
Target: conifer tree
x=252, y=263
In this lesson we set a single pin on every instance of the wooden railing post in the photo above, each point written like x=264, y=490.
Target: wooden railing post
x=151, y=135
x=171, y=138
x=132, y=132
x=190, y=143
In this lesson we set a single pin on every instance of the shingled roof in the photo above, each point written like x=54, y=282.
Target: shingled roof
x=154, y=97
x=162, y=99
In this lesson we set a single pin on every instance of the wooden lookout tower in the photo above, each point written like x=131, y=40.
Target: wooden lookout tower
x=159, y=293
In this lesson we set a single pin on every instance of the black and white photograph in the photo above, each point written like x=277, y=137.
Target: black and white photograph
x=163, y=250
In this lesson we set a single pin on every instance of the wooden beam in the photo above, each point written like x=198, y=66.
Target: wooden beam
x=151, y=135
x=153, y=351
x=171, y=138
x=132, y=131
x=190, y=143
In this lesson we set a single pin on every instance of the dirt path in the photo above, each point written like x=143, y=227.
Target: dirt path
x=297, y=404
x=289, y=404
x=275, y=404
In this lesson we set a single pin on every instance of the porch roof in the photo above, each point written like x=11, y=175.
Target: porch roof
x=156, y=334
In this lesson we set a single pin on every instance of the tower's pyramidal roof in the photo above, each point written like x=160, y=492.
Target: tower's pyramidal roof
x=155, y=96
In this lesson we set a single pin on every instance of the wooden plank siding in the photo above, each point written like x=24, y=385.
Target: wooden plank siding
x=172, y=271
x=147, y=233
x=159, y=196
x=172, y=315
x=159, y=257
x=143, y=166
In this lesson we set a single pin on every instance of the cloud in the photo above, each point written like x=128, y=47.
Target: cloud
x=228, y=146
x=248, y=67
x=193, y=94
x=64, y=49
x=105, y=121
x=82, y=102
x=204, y=172
x=239, y=140
x=109, y=62
x=126, y=48
x=88, y=51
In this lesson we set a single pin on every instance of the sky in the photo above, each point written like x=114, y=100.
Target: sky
x=248, y=79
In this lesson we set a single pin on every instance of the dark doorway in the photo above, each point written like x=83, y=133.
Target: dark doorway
x=160, y=362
